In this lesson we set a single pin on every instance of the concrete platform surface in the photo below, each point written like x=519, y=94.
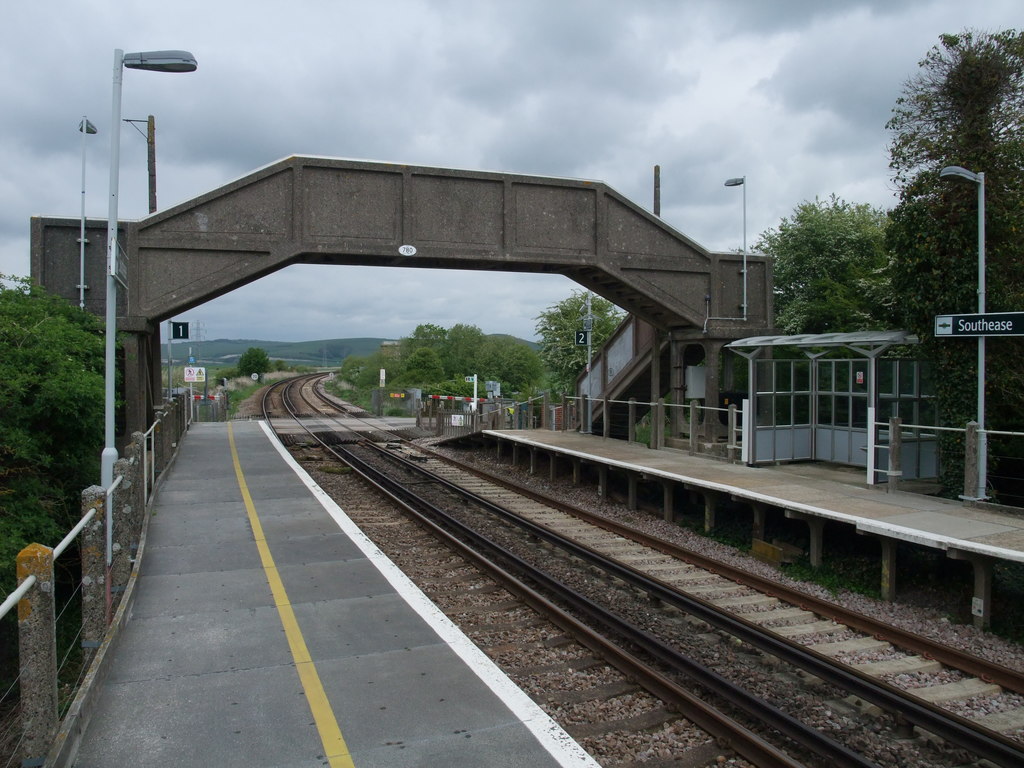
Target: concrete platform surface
x=266, y=630
x=804, y=488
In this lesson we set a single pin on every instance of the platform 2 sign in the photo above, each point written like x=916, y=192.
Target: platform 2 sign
x=989, y=324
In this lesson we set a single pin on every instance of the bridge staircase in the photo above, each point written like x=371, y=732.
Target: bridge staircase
x=622, y=370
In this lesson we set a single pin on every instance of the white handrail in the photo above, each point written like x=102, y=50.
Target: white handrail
x=66, y=541
x=15, y=597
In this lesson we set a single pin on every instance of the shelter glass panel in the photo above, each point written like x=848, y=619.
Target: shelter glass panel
x=826, y=375
x=908, y=382
x=859, y=412
x=860, y=374
x=783, y=376
x=842, y=411
x=802, y=376
x=887, y=377
x=825, y=408
x=783, y=410
x=802, y=409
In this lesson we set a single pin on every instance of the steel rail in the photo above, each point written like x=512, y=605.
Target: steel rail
x=955, y=729
x=742, y=740
x=992, y=672
x=737, y=696
x=739, y=737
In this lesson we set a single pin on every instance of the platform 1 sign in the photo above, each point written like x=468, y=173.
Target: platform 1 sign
x=989, y=324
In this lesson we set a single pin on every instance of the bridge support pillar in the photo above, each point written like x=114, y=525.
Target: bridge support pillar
x=981, y=603
x=143, y=388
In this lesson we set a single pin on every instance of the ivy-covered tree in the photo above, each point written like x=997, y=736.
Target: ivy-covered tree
x=51, y=425
x=829, y=269
x=964, y=107
x=557, y=327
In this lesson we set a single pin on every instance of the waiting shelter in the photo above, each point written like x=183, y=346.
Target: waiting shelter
x=819, y=406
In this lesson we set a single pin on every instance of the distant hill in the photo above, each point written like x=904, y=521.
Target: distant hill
x=325, y=352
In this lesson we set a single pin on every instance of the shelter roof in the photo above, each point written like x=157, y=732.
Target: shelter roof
x=875, y=341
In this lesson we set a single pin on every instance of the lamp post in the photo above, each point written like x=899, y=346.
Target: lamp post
x=86, y=128
x=953, y=172
x=741, y=181
x=153, y=61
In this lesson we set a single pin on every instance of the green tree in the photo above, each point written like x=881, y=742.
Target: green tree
x=425, y=335
x=829, y=270
x=512, y=362
x=254, y=360
x=422, y=368
x=964, y=107
x=51, y=423
x=462, y=350
x=557, y=327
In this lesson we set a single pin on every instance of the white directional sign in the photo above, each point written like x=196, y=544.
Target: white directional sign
x=989, y=324
x=194, y=375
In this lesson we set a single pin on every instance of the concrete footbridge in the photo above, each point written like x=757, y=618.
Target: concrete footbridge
x=314, y=210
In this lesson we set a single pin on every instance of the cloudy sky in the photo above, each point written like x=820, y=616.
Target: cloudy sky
x=792, y=94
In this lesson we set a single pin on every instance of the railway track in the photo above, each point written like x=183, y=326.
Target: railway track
x=682, y=598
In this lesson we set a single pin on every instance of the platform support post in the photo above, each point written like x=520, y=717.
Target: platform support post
x=816, y=526
x=667, y=500
x=760, y=514
x=711, y=500
x=888, y=587
x=981, y=603
x=577, y=471
x=602, y=481
x=552, y=465
x=632, y=480
x=533, y=460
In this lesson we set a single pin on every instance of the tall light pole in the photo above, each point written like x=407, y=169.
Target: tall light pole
x=956, y=171
x=153, y=61
x=86, y=128
x=741, y=181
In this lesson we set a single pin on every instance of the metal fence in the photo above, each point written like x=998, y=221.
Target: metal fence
x=112, y=529
x=890, y=443
x=692, y=427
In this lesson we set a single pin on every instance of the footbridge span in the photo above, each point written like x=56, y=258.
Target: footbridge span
x=312, y=210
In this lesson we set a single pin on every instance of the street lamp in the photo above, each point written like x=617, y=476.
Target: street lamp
x=153, y=61
x=741, y=181
x=86, y=128
x=956, y=171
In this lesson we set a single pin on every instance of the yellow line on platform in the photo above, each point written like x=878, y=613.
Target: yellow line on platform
x=326, y=723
